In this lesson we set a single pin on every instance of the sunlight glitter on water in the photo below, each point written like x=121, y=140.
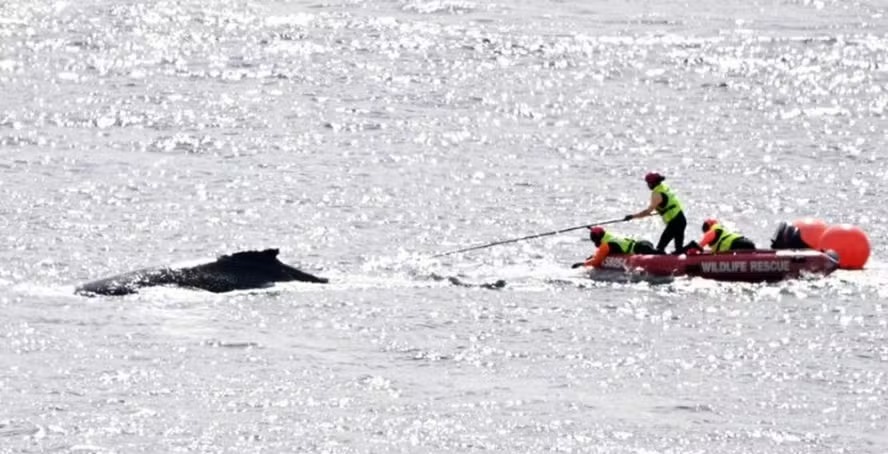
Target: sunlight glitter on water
x=361, y=138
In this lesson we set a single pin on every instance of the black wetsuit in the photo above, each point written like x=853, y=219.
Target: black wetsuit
x=675, y=230
x=644, y=247
x=742, y=244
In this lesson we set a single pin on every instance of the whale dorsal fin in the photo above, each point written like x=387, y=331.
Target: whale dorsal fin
x=267, y=255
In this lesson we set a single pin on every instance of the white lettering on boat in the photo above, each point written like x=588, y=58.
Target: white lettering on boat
x=614, y=262
x=769, y=266
x=723, y=267
x=752, y=266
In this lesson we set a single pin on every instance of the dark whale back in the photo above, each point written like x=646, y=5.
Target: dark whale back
x=124, y=284
x=243, y=270
x=238, y=271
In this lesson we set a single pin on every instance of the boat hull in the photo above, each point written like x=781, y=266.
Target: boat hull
x=739, y=266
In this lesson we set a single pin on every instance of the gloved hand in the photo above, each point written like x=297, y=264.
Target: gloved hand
x=692, y=248
x=628, y=217
x=577, y=265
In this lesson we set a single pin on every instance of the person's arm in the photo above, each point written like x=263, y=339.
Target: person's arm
x=599, y=256
x=708, y=238
x=656, y=200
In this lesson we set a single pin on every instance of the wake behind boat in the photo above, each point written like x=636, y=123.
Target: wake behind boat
x=737, y=266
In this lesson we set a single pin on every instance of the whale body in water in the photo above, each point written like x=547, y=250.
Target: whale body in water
x=238, y=271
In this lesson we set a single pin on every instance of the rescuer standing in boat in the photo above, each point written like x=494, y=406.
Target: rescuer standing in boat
x=665, y=203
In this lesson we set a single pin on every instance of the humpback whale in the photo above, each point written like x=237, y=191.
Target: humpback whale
x=238, y=271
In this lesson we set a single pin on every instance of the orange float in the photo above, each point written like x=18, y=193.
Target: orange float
x=850, y=242
x=811, y=230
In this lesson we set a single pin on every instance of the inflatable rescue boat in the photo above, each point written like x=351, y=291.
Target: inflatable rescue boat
x=737, y=266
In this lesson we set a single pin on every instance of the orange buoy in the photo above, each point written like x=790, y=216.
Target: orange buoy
x=811, y=230
x=850, y=242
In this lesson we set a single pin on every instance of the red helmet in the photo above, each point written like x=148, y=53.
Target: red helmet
x=653, y=178
x=707, y=224
x=596, y=234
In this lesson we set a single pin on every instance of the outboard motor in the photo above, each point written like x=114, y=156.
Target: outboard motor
x=788, y=236
x=833, y=255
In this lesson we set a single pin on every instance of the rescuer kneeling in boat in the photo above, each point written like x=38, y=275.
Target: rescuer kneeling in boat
x=665, y=203
x=720, y=239
x=608, y=243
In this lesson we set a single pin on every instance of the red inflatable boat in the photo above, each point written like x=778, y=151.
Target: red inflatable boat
x=739, y=266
